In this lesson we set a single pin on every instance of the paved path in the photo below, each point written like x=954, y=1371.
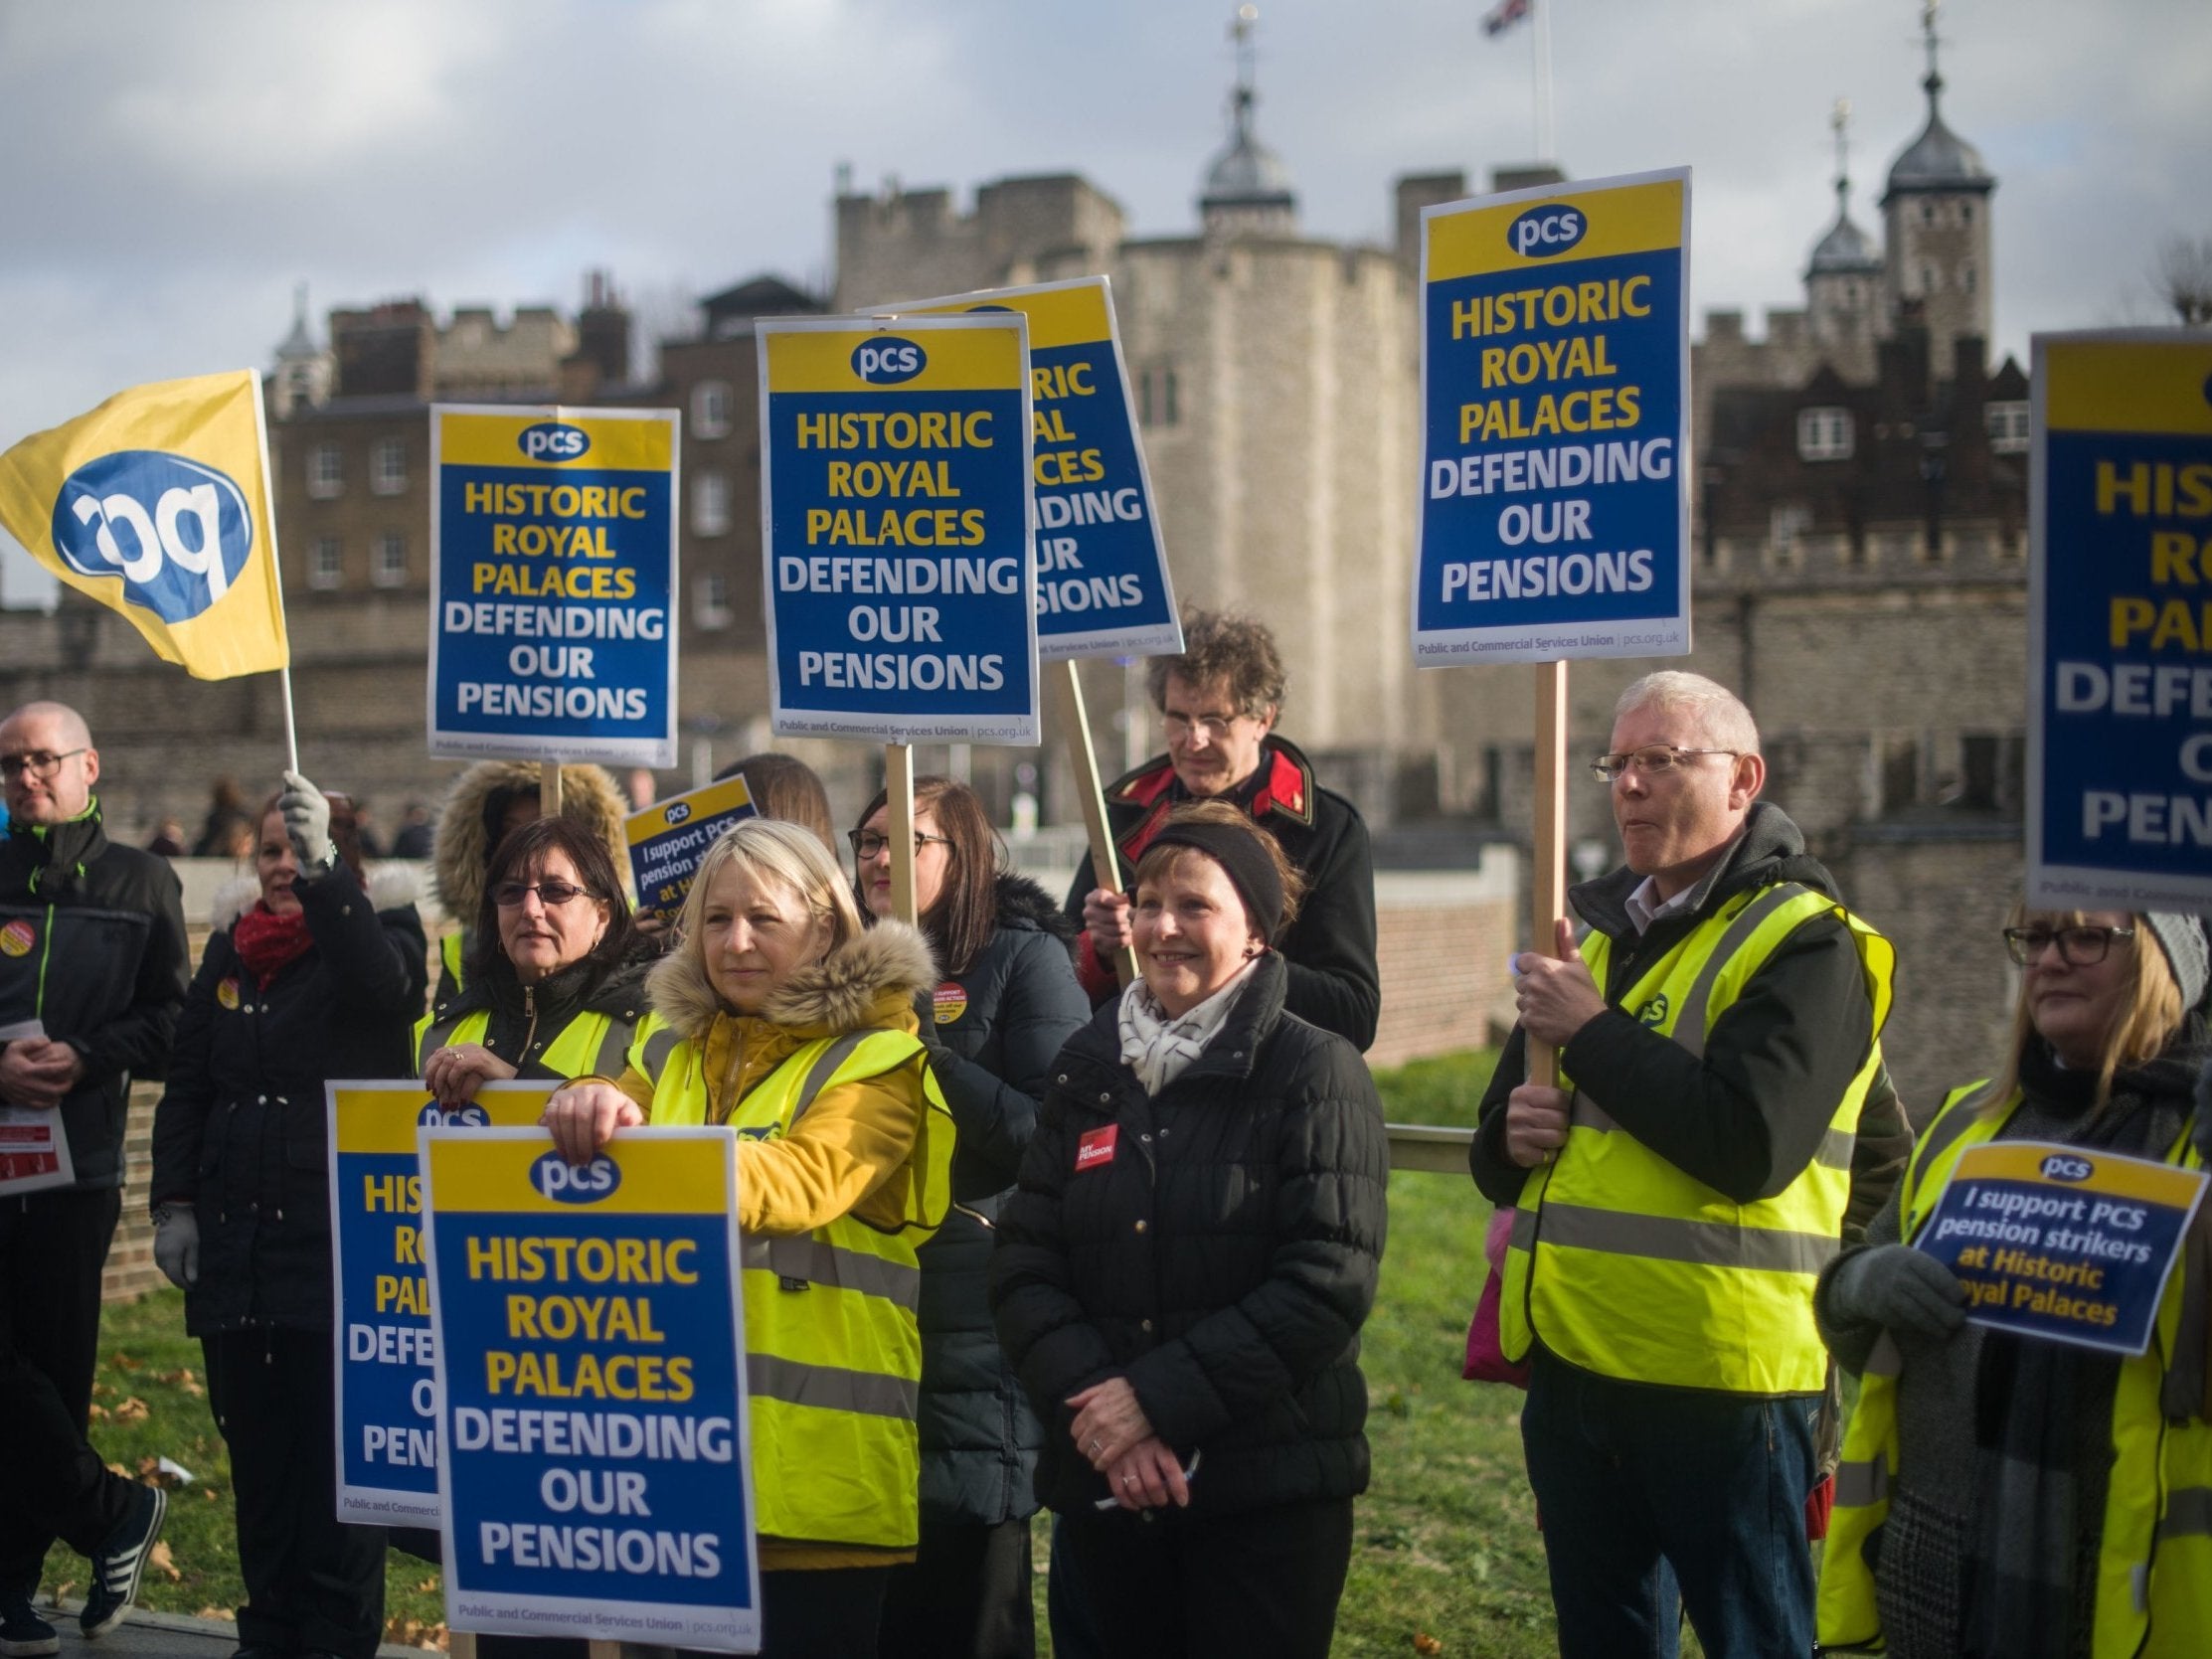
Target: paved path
x=149, y=1635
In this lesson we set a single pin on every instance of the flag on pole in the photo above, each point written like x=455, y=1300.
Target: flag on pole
x=1504, y=14
x=157, y=503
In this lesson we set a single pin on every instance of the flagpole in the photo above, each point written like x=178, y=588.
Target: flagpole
x=276, y=567
x=1540, y=43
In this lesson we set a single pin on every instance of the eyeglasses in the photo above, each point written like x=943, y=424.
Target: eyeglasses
x=1216, y=727
x=39, y=764
x=2078, y=947
x=1654, y=761
x=867, y=844
x=553, y=895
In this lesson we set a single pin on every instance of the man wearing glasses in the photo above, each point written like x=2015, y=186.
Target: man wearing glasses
x=1679, y=1192
x=92, y=961
x=1218, y=703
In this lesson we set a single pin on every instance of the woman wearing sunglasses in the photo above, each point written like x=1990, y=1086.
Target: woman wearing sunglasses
x=2001, y=1495
x=315, y=973
x=549, y=987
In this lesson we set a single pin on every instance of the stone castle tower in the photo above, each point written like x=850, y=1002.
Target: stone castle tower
x=1935, y=214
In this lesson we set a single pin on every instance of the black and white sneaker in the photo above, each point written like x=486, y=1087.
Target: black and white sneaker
x=23, y=1634
x=120, y=1562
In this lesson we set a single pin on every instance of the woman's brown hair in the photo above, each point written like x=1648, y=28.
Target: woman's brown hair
x=2155, y=1011
x=520, y=856
x=960, y=923
x=785, y=788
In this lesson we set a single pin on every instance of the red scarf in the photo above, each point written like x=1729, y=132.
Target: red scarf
x=269, y=944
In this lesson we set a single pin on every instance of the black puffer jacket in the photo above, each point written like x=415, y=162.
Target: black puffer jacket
x=240, y=1134
x=1018, y=1003
x=92, y=946
x=1223, y=1258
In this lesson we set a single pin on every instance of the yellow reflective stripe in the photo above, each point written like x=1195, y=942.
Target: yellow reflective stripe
x=1858, y=1485
x=831, y=1388
x=2188, y=1513
x=813, y=1262
x=1689, y=1022
x=1673, y=1238
x=1833, y=1152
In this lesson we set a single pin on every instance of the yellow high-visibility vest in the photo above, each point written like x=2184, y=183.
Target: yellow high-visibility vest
x=1625, y=1265
x=832, y=1337
x=2154, y=1557
x=590, y=1045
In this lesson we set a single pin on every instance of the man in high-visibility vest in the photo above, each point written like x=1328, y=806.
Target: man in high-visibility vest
x=1679, y=1190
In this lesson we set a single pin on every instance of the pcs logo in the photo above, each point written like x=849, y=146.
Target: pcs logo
x=435, y=1116
x=2059, y=1166
x=177, y=532
x=676, y=814
x=561, y=1181
x=889, y=361
x=1546, y=230
x=555, y=441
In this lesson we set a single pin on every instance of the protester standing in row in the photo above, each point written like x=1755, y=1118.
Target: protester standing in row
x=320, y=976
x=1679, y=1192
x=486, y=801
x=785, y=787
x=1218, y=703
x=92, y=948
x=551, y=992
x=1006, y=1001
x=1184, y=1269
x=2001, y=1495
x=781, y=1017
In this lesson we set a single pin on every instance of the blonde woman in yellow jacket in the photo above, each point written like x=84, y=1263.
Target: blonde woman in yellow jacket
x=779, y=1015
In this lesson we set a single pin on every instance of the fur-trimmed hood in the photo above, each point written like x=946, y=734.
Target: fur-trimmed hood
x=1021, y=900
x=865, y=982
x=390, y=887
x=463, y=849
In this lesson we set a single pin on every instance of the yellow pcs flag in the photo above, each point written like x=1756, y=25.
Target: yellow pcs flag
x=157, y=503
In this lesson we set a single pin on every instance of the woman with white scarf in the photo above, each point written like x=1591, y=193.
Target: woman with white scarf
x=1183, y=1270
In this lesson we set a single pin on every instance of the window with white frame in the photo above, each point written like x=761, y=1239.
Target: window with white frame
x=326, y=471
x=1786, y=525
x=710, y=602
x=710, y=408
x=389, y=568
x=326, y=563
x=388, y=466
x=709, y=503
x=1824, y=434
x=2007, y=427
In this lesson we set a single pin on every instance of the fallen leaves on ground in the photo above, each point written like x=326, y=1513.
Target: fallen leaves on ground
x=159, y=1557
x=183, y=1380
x=132, y=1410
x=413, y=1632
x=1426, y=1644
x=122, y=1362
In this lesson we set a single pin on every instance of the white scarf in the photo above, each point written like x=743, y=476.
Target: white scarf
x=1158, y=1049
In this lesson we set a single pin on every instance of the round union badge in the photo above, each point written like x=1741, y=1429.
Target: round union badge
x=952, y=1002
x=227, y=993
x=16, y=939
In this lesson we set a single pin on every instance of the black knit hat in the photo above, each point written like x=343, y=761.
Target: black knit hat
x=1240, y=852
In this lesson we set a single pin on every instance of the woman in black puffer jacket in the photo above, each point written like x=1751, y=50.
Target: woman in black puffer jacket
x=1007, y=1001
x=1182, y=1274
x=318, y=976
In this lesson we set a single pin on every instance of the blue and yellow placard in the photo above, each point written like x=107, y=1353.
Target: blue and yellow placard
x=1555, y=359
x=596, y=1480
x=2068, y=1242
x=670, y=838
x=2120, y=623
x=1102, y=588
x=386, y=1404
x=553, y=614
x=896, y=539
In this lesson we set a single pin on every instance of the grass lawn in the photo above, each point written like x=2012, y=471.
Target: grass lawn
x=1446, y=1546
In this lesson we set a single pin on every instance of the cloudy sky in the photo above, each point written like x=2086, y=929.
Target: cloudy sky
x=176, y=166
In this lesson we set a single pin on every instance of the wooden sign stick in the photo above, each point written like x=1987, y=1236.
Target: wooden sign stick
x=1547, y=885
x=549, y=788
x=897, y=786
x=1106, y=868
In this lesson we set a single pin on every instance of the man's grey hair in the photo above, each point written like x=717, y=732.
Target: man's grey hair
x=1718, y=715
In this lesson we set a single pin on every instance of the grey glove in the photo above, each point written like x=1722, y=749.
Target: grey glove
x=177, y=1244
x=306, y=821
x=1901, y=1290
